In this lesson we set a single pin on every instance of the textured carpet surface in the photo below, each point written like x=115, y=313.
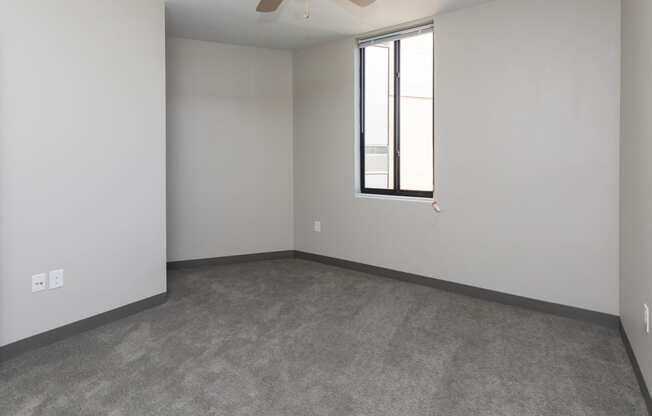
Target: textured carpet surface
x=292, y=337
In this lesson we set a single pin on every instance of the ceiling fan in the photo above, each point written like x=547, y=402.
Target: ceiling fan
x=267, y=6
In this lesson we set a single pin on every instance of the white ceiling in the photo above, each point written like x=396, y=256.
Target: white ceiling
x=236, y=21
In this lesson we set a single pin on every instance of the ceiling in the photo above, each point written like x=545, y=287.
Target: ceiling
x=236, y=21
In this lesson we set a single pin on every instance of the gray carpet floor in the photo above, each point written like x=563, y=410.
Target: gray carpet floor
x=292, y=337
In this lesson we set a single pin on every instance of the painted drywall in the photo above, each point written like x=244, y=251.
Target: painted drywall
x=229, y=150
x=527, y=132
x=636, y=178
x=82, y=143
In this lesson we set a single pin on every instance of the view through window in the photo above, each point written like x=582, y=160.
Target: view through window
x=396, y=81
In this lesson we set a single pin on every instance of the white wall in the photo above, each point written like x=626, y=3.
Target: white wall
x=636, y=178
x=229, y=150
x=527, y=110
x=82, y=143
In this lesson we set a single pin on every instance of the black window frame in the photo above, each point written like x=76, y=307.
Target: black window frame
x=396, y=191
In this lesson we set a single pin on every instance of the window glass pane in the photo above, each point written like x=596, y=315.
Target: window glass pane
x=416, y=122
x=379, y=116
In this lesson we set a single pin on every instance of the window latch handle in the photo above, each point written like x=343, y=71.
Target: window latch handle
x=435, y=206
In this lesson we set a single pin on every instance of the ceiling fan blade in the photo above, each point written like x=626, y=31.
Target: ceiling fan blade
x=363, y=3
x=267, y=6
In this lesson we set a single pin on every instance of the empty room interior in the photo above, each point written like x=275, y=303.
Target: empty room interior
x=325, y=207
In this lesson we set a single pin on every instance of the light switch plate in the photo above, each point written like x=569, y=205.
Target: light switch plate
x=38, y=282
x=318, y=226
x=56, y=279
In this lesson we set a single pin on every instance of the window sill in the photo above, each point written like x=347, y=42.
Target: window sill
x=422, y=200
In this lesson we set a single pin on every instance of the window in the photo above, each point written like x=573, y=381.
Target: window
x=396, y=114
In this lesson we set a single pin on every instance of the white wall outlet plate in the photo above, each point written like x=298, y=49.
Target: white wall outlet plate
x=646, y=318
x=318, y=226
x=38, y=282
x=56, y=279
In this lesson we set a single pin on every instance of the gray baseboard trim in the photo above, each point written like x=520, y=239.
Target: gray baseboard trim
x=243, y=258
x=637, y=368
x=600, y=318
x=40, y=340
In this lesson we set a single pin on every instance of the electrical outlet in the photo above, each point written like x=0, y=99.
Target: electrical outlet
x=646, y=318
x=38, y=282
x=318, y=226
x=56, y=279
